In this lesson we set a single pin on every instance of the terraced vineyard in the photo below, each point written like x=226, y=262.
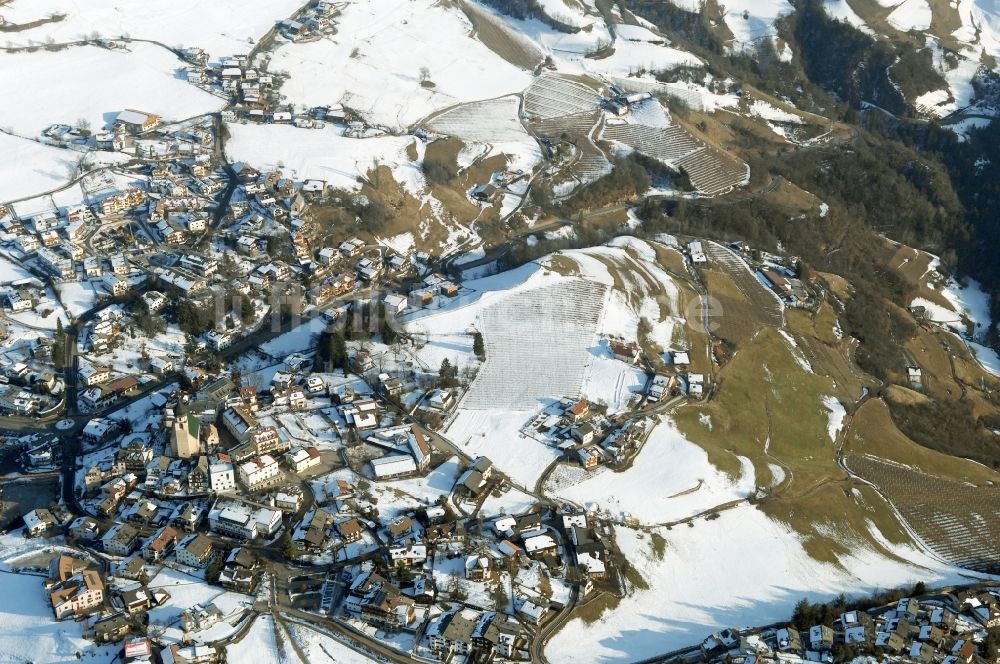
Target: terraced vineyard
x=712, y=172
x=577, y=124
x=667, y=144
x=958, y=521
x=553, y=96
x=763, y=299
x=559, y=106
x=489, y=121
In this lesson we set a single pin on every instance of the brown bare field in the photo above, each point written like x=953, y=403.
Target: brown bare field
x=874, y=433
x=735, y=319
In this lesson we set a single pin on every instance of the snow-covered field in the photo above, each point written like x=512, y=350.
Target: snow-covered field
x=493, y=122
x=534, y=318
x=671, y=479
x=95, y=84
x=740, y=569
x=909, y=14
x=260, y=645
x=29, y=167
x=750, y=20
x=375, y=63
x=969, y=303
x=28, y=632
x=497, y=435
x=11, y=271
x=322, y=154
x=221, y=27
x=320, y=647
x=839, y=9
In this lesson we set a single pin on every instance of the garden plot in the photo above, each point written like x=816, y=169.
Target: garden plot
x=958, y=521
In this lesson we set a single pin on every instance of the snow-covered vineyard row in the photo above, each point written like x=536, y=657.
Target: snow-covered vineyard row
x=551, y=96
x=668, y=144
x=960, y=522
x=711, y=172
x=489, y=121
x=561, y=322
x=580, y=123
x=592, y=165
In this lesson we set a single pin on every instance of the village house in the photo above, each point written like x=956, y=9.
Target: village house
x=74, y=586
x=38, y=522
x=137, y=122
x=240, y=571
x=160, y=545
x=579, y=411
x=195, y=550
x=350, y=530
x=238, y=519
x=258, y=472
x=121, y=539
x=302, y=459
x=84, y=529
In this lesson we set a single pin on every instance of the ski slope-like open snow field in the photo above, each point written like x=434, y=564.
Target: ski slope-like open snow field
x=655, y=492
x=30, y=167
x=740, y=569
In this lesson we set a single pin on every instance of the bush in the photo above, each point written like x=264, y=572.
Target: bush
x=439, y=171
x=627, y=179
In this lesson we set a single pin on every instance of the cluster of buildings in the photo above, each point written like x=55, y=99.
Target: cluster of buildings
x=585, y=435
x=437, y=574
x=942, y=628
